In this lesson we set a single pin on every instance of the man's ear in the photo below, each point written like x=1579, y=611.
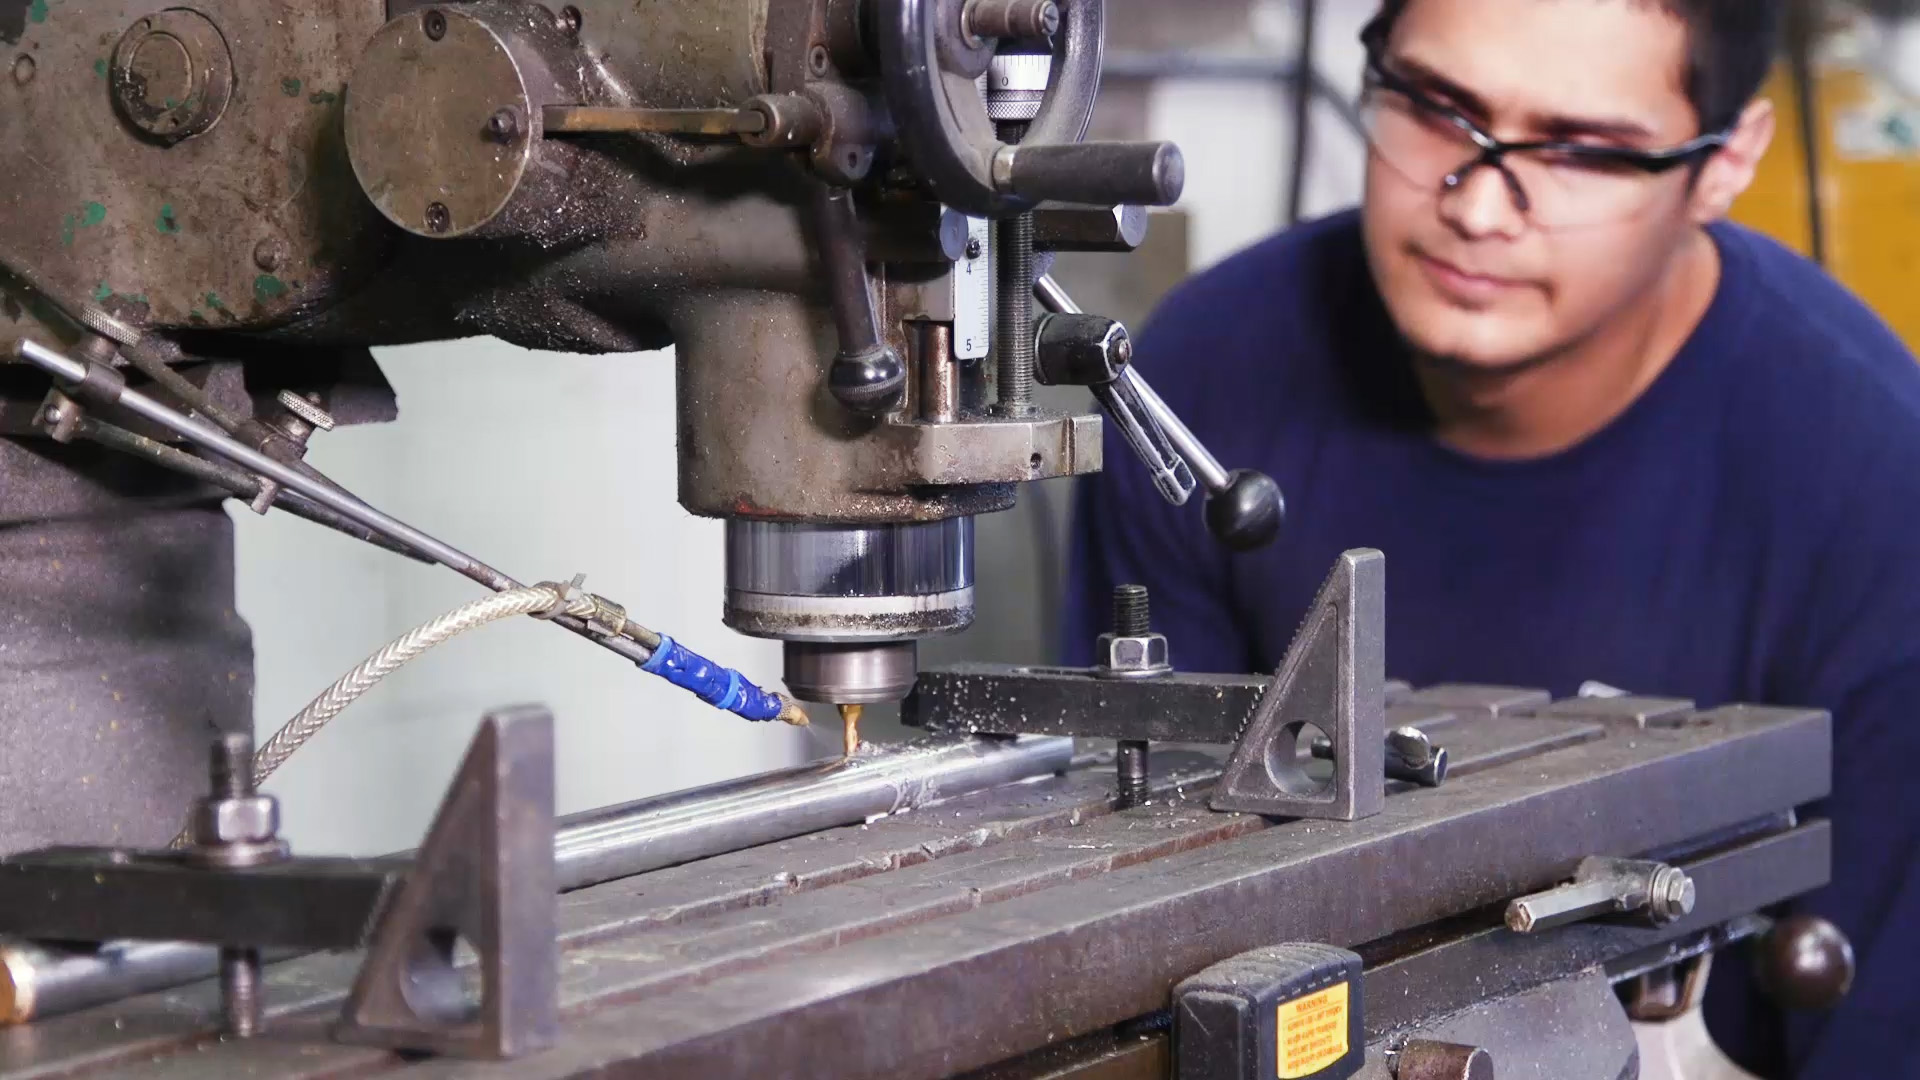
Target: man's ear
x=1728, y=173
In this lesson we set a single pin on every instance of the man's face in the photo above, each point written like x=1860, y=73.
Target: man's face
x=1468, y=276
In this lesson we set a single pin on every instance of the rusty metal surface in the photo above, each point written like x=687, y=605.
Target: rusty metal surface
x=776, y=445
x=167, y=234
x=591, y=243
x=772, y=958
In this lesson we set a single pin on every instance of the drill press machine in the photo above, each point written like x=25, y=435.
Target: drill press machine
x=837, y=211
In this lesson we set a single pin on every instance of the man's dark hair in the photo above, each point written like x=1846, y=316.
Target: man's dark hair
x=1732, y=46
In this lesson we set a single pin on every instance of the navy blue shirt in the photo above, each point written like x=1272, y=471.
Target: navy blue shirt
x=1748, y=530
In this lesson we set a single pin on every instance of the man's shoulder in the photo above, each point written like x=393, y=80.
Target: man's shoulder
x=1810, y=342
x=1823, y=399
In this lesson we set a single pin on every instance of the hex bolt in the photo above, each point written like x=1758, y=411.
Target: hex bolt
x=240, y=991
x=1671, y=896
x=1130, y=619
x=1130, y=611
x=504, y=124
x=1131, y=766
x=231, y=766
x=230, y=772
x=439, y=218
x=1653, y=892
x=268, y=254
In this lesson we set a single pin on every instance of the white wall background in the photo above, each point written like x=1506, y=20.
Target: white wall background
x=544, y=466
x=549, y=465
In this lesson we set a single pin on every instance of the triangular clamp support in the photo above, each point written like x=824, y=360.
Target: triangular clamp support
x=484, y=876
x=1333, y=678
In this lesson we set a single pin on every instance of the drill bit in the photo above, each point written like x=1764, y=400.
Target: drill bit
x=850, y=727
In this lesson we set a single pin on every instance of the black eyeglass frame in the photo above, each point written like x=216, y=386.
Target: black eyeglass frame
x=1493, y=151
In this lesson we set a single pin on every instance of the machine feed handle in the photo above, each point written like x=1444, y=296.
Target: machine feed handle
x=1245, y=509
x=1170, y=473
x=1095, y=173
x=1072, y=348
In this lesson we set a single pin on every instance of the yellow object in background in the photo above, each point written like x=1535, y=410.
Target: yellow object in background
x=1868, y=136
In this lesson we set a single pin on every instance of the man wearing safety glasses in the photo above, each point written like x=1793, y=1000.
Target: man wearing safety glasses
x=1600, y=434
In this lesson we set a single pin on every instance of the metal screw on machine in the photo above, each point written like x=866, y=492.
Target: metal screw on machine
x=1132, y=651
x=235, y=826
x=298, y=419
x=504, y=124
x=983, y=19
x=1411, y=756
x=1421, y=1059
x=1653, y=892
x=1015, y=85
x=1244, y=508
x=303, y=416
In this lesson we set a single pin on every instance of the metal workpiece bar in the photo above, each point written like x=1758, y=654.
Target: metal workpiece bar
x=39, y=981
x=619, y=841
x=939, y=988
x=604, y=844
x=215, y=441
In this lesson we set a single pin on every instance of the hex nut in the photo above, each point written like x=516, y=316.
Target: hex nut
x=1142, y=655
x=250, y=819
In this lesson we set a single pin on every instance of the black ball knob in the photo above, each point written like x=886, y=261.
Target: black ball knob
x=1805, y=962
x=870, y=383
x=1249, y=513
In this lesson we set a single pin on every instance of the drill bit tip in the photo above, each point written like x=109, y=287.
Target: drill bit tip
x=850, y=725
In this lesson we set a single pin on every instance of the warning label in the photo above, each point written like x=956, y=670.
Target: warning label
x=1313, y=1032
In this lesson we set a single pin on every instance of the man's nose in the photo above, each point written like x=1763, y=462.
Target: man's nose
x=1482, y=203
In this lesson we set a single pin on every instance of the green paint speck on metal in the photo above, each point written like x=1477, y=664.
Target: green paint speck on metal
x=213, y=301
x=92, y=214
x=322, y=97
x=100, y=68
x=102, y=293
x=166, y=222
x=38, y=11
x=266, y=287
x=290, y=86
